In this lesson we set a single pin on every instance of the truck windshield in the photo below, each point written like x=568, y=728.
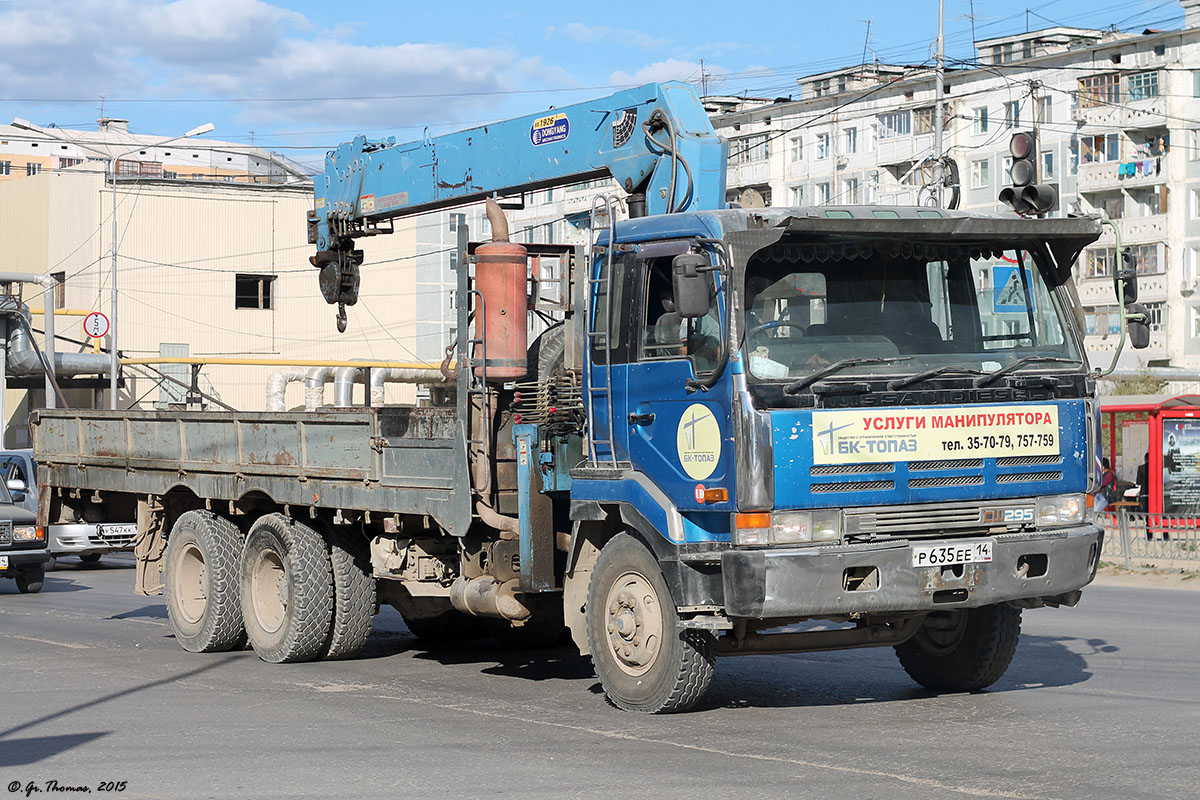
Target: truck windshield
x=898, y=309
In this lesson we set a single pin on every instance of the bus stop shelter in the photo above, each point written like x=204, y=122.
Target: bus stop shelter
x=1168, y=429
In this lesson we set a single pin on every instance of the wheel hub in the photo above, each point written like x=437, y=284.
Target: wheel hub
x=634, y=623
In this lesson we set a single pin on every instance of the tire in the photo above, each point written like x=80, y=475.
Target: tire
x=449, y=626
x=204, y=601
x=30, y=580
x=964, y=650
x=89, y=558
x=644, y=660
x=353, y=594
x=547, y=353
x=287, y=590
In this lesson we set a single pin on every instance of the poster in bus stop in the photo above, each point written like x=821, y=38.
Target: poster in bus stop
x=1181, y=466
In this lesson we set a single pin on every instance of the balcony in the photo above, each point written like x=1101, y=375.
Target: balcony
x=1112, y=175
x=889, y=152
x=750, y=174
x=1129, y=115
x=1137, y=230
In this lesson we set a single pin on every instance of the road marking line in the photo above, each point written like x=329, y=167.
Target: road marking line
x=71, y=645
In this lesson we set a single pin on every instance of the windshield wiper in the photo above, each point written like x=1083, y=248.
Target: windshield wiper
x=795, y=387
x=992, y=377
x=900, y=383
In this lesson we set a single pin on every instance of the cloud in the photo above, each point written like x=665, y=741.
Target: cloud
x=670, y=70
x=223, y=49
x=596, y=34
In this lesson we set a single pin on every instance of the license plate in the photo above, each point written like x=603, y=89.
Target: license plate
x=3, y=562
x=974, y=551
x=117, y=530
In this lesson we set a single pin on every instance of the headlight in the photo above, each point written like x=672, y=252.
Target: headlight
x=28, y=533
x=1063, y=509
x=788, y=527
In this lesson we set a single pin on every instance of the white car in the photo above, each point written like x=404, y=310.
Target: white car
x=88, y=540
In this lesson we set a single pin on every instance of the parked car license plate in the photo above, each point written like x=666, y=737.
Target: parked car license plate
x=973, y=551
x=127, y=529
x=3, y=562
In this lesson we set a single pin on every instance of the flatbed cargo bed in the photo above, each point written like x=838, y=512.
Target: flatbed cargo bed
x=384, y=461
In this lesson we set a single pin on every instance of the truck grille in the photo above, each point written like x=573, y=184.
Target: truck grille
x=924, y=520
x=851, y=469
x=853, y=486
x=1029, y=477
x=5, y=534
x=950, y=480
x=1027, y=461
x=959, y=463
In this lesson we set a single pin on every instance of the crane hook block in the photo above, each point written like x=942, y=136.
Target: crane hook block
x=339, y=276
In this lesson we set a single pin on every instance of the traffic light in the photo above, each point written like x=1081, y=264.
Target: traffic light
x=1026, y=195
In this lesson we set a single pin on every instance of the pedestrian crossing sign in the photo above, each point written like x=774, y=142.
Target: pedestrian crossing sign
x=1008, y=292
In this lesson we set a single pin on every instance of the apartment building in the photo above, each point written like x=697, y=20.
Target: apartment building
x=1117, y=117
x=25, y=153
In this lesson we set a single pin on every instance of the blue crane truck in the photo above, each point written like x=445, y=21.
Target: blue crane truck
x=747, y=431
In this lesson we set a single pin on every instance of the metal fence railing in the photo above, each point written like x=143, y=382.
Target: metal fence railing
x=1130, y=535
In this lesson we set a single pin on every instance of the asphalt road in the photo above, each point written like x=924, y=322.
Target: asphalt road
x=1102, y=701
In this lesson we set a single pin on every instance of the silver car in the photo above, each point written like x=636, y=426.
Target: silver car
x=88, y=540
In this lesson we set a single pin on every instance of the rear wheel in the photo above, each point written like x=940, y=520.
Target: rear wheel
x=353, y=594
x=90, y=558
x=644, y=660
x=962, y=650
x=287, y=590
x=204, y=603
x=30, y=580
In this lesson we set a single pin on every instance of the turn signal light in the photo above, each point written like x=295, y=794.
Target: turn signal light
x=716, y=495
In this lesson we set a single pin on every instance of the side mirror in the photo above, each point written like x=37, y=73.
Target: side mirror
x=15, y=485
x=690, y=283
x=1126, y=275
x=1137, y=326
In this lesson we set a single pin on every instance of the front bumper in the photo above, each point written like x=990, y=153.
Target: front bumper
x=20, y=559
x=83, y=538
x=816, y=581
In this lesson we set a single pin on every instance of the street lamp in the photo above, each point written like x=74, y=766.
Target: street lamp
x=106, y=155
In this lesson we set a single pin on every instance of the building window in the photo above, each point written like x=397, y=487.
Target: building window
x=923, y=120
x=822, y=146
x=252, y=291
x=822, y=194
x=821, y=88
x=63, y=163
x=1099, y=90
x=457, y=220
x=979, y=174
x=169, y=175
x=1100, y=149
x=850, y=194
x=981, y=121
x=1047, y=165
x=797, y=195
x=5, y=168
x=796, y=149
x=60, y=289
x=750, y=148
x=32, y=168
x=851, y=140
x=1012, y=114
x=894, y=124
x=1145, y=258
x=1195, y=326
x=1156, y=314
x=1143, y=85
x=1196, y=84
x=1046, y=110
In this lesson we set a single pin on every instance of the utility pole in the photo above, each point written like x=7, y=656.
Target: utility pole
x=939, y=111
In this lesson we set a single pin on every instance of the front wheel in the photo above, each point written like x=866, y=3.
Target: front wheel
x=29, y=580
x=962, y=650
x=644, y=660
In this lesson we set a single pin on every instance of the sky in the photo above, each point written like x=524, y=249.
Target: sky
x=300, y=77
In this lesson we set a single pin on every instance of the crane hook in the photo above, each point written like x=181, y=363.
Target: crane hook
x=341, y=318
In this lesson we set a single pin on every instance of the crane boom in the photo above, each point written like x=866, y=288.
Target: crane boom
x=655, y=140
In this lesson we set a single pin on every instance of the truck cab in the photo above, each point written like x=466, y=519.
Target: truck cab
x=23, y=552
x=880, y=416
